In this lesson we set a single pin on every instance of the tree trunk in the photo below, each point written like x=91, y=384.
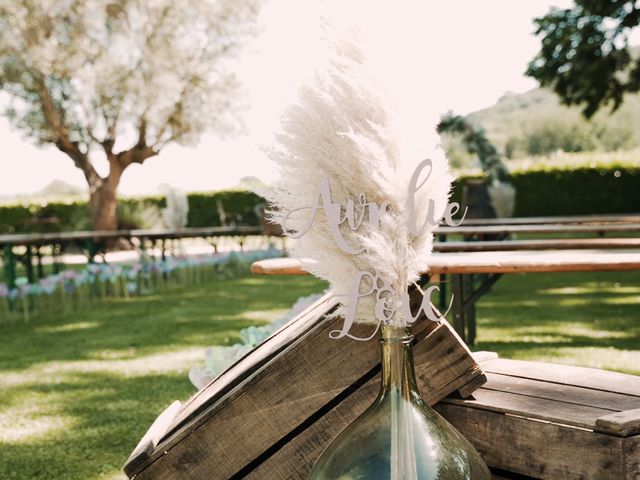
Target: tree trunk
x=103, y=205
x=103, y=200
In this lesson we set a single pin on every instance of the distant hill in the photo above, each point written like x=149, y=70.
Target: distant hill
x=60, y=188
x=535, y=123
x=56, y=190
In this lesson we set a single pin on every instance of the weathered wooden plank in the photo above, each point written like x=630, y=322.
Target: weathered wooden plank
x=268, y=407
x=284, y=337
x=623, y=424
x=532, y=407
x=563, y=393
x=239, y=424
x=150, y=440
x=567, y=375
x=556, y=220
x=631, y=456
x=545, y=244
x=484, y=356
x=535, y=261
x=278, y=266
x=541, y=449
x=296, y=458
x=224, y=389
x=492, y=262
x=537, y=229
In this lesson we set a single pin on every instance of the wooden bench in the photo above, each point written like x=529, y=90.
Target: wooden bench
x=459, y=265
x=539, y=229
x=552, y=421
x=557, y=220
x=93, y=242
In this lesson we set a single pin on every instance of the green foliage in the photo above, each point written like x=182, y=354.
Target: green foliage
x=140, y=212
x=580, y=191
x=591, y=187
x=577, y=191
x=585, y=56
x=13, y=218
x=54, y=216
x=476, y=143
x=535, y=123
x=225, y=207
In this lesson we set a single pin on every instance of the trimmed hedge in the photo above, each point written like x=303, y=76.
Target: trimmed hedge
x=557, y=191
x=581, y=191
x=577, y=191
x=238, y=207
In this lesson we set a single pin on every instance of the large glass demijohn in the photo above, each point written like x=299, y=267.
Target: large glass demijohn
x=399, y=437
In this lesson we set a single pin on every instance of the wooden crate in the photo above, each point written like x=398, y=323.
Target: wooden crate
x=553, y=421
x=271, y=414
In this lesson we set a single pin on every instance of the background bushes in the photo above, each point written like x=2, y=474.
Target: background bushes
x=585, y=190
x=226, y=207
x=582, y=191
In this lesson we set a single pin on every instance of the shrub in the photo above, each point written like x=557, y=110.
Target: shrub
x=602, y=189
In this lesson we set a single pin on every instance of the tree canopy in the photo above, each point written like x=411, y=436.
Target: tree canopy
x=120, y=79
x=585, y=56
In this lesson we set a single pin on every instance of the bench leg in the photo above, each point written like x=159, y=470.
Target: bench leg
x=457, y=290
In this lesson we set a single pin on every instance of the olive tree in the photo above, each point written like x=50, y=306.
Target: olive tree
x=117, y=80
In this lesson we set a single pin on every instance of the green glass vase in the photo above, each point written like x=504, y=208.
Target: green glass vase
x=399, y=437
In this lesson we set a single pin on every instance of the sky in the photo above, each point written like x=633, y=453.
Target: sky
x=464, y=55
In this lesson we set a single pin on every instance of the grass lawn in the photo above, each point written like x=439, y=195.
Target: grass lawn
x=589, y=319
x=76, y=394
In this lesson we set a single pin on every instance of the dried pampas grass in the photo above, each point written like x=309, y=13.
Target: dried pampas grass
x=347, y=128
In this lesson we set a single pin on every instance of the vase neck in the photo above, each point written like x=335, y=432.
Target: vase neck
x=398, y=374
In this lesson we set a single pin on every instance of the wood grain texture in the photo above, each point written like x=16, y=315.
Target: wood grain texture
x=556, y=220
x=535, y=408
x=535, y=261
x=537, y=229
x=150, y=440
x=624, y=423
x=552, y=421
x=576, y=395
x=496, y=262
x=239, y=426
x=590, y=378
x=545, y=244
x=541, y=449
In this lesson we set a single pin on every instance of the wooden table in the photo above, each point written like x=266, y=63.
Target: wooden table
x=494, y=264
x=557, y=220
x=91, y=241
x=502, y=229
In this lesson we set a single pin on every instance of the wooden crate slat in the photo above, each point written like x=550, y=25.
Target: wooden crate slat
x=623, y=424
x=259, y=356
x=188, y=418
x=296, y=458
x=239, y=424
x=612, y=401
x=541, y=449
x=267, y=411
x=150, y=440
x=531, y=407
x=567, y=375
